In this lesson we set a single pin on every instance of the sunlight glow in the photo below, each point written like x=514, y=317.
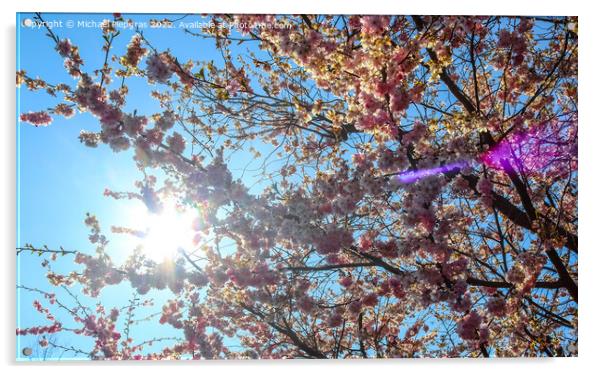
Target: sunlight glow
x=167, y=231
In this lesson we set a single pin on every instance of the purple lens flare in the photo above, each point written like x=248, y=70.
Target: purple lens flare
x=415, y=175
x=531, y=150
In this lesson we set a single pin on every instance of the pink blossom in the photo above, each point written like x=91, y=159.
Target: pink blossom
x=335, y=320
x=469, y=326
x=158, y=68
x=374, y=24
x=133, y=125
x=305, y=304
x=497, y=306
x=135, y=51
x=176, y=143
x=370, y=299
x=64, y=110
x=515, y=275
x=63, y=47
x=36, y=118
x=166, y=121
x=346, y=281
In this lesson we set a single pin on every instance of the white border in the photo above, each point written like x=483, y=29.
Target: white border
x=590, y=181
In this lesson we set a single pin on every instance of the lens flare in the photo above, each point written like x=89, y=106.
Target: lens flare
x=415, y=175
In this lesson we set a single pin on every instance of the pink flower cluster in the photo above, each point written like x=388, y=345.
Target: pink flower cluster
x=158, y=68
x=90, y=96
x=258, y=276
x=497, y=306
x=333, y=240
x=135, y=51
x=71, y=55
x=391, y=161
x=102, y=328
x=64, y=110
x=485, y=188
x=176, y=143
x=472, y=329
x=134, y=125
x=39, y=330
x=63, y=47
x=374, y=24
x=516, y=42
x=172, y=314
x=90, y=139
x=36, y=118
x=98, y=273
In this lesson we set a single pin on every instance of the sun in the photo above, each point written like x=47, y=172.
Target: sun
x=166, y=232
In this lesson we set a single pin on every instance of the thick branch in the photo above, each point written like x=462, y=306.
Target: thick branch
x=563, y=273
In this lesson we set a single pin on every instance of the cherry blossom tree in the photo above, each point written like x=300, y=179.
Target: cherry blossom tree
x=419, y=195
